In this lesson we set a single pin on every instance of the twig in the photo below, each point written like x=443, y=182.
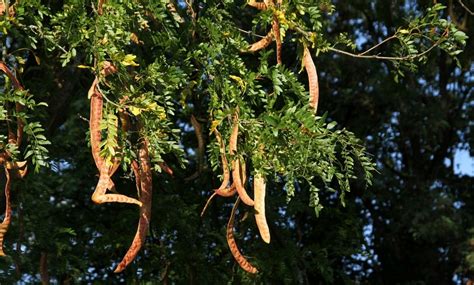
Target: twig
x=400, y=58
x=250, y=33
x=466, y=8
x=379, y=44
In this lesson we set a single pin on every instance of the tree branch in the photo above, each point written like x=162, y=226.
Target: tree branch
x=466, y=8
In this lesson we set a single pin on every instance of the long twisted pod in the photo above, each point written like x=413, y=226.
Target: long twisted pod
x=236, y=175
x=225, y=163
x=276, y=30
x=312, y=79
x=8, y=210
x=224, y=190
x=145, y=177
x=241, y=260
x=261, y=44
x=259, y=187
x=100, y=194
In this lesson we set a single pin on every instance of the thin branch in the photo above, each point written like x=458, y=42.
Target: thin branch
x=466, y=8
x=400, y=58
x=250, y=33
x=379, y=44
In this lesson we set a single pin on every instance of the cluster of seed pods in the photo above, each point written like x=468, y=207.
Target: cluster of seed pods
x=141, y=169
x=274, y=33
x=226, y=189
x=238, y=170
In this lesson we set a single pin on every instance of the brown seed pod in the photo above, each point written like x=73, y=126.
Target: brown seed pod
x=8, y=211
x=100, y=196
x=236, y=174
x=261, y=44
x=226, y=192
x=99, y=6
x=241, y=260
x=258, y=5
x=259, y=187
x=312, y=79
x=276, y=32
x=145, y=177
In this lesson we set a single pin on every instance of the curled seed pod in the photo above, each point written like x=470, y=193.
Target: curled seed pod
x=226, y=192
x=8, y=211
x=261, y=44
x=312, y=79
x=259, y=187
x=241, y=260
x=145, y=210
x=236, y=174
x=99, y=196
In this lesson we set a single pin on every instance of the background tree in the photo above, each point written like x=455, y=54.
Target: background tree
x=178, y=59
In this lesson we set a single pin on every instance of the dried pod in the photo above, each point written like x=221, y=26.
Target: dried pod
x=241, y=260
x=8, y=211
x=236, y=174
x=312, y=79
x=259, y=187
x=261, y=44
x=145, y=177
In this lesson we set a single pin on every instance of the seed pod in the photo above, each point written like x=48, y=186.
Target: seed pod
x=94, y=122
x=241, y=260
x=259, y=188
x=99, y=7
x=258, y=5
x=236, y=175
x=145, y=209
x=261, y=44
x=312, y=79
x=226, y=192
x=8, y=211
x=276, y=32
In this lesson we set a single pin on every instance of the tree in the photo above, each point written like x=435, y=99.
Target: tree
x=177, y=88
